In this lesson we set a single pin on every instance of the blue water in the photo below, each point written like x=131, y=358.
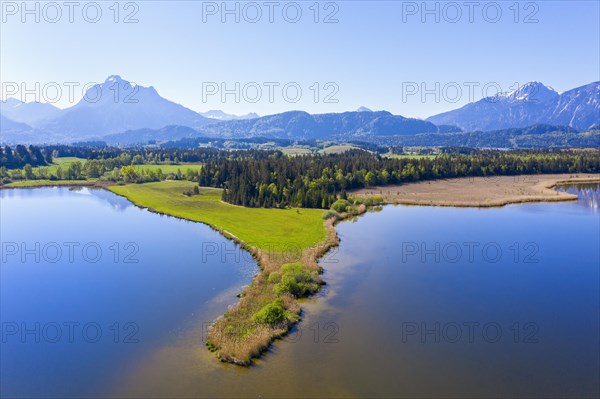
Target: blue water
x=419, y=302
x=128, y=300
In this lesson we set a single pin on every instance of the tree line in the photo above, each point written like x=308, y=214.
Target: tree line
x=20, y=156
x=108, y=163
x=317, y=181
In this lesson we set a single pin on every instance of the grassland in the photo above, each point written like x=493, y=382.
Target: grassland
x=258, y=227
x=296, y=151
x=169, y=168
x=338, y=149
x=480, y=191
x=409, y=156
x=63, y=162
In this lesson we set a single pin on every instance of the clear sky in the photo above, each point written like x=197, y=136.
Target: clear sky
x=378, y=54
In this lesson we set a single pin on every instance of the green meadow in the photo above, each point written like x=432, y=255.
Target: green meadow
x=63, y=162
x=263, y=228
x=169, y=168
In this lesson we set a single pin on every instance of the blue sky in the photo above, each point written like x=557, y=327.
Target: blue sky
x=379, y=54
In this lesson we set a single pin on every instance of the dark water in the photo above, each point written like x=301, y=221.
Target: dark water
x=420, y=302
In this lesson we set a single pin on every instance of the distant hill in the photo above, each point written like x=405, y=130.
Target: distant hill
x=32, y=114
x=300, y=125
x=12, y=132
x=531, y=104
x=537, y=136
x=222, y=116
x=9, y=126
x=144, y=136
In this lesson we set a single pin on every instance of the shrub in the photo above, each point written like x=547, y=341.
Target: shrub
x=330, y=214
x=372, y=201
x=297, y=280
x=274, y=277
x=340, y=205
x=272, y=313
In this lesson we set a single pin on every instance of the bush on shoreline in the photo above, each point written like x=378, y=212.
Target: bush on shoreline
x=295, y=279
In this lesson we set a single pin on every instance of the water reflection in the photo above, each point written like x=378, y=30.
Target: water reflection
x=118, y=203
x=588, y=194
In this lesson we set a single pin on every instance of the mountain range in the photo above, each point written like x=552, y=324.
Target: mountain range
x=121, y=112
x=530, y=104
x=222, y=116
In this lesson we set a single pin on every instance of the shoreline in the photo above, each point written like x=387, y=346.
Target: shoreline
x=57, y=183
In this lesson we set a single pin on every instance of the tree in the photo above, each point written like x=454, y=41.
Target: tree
x=129, y=173
x=28, y=170
x=370, y=179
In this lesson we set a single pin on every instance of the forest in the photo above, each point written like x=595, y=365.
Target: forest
x=317, y=181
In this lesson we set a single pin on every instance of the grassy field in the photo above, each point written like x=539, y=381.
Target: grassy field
x=409, y=156
x=67, y=160
x=63, y=162
x=169, y=168
x=337, y=149
x=296, y=151
x=259, y=227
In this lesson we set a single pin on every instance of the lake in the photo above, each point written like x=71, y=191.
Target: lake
x=419, y=302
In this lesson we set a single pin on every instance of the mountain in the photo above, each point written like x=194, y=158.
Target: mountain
x=32, y=113
x=10, y=126
x=222, y=116
x=536, y=136
x=14, y=132
x=534, y=103
x=144, y=136
x=301, y=125
x=116, y=106
x=578, y=108
x=363, y=109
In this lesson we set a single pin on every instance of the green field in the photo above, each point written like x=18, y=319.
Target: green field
x=68, y=160
x=409, y=156
x=268, y=229
x=296, y=151
x=63, y=162
x=169, y=168
x=338, y=149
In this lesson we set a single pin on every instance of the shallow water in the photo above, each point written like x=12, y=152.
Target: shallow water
x=420, y=302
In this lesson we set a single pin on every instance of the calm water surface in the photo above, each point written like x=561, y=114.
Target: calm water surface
x=420, y=302
x=133, y=282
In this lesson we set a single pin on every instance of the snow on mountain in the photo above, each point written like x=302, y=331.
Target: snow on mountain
x=533, y=103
